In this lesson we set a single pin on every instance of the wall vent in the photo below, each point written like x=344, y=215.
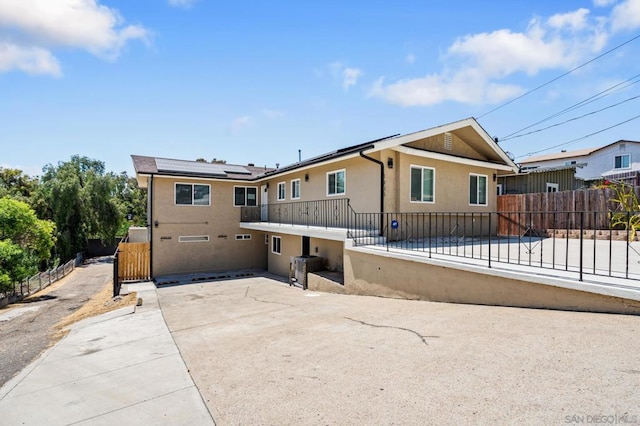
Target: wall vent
x=448, y=141
x=193, y=238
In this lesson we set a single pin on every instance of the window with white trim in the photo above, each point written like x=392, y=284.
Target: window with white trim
x=552, y=187
x=622, y=161
x=282, y=191
x=192, y=194
x=295, y=189
x=193, y=238
x=422, y=184
x=243, y=236
x=245, y=196
x=477, y=190
x=276, y=245
x=336, y=182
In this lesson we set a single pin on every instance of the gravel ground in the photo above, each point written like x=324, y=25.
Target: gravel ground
x=261, y=352
x=27, y=328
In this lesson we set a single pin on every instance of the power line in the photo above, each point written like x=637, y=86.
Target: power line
x=571, y=119
x=560, y=76
x=580, y=138
x=582, y=103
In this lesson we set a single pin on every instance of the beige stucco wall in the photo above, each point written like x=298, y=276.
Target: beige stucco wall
x=291, y=246
x=362, y=184
x=331, y=251
x=389, y=276
x=220, y=221
x=451, y=186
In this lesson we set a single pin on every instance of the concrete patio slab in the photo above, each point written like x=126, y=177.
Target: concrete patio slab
x=262, y=352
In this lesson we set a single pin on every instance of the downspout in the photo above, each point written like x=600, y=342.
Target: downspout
x=150, y=223
x=381, y=175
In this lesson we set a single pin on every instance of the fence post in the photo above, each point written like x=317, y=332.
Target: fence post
x=116, y=290
x=490, y=240
x=581, y=241
x=628, y=244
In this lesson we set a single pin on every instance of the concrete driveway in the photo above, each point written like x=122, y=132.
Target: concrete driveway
x=261, y=352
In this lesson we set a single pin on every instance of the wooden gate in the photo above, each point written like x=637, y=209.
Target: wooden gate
x=134, y=261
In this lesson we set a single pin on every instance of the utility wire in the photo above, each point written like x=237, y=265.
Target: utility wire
x=560, y=76
x=569, y=120
x=582, y=103
x=580, y=138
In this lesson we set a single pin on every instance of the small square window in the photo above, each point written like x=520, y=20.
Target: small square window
x=422, y=184
x=477, y=190
x=276, y=245
x=187, y=194
x=245, y=196
x=295, y=189
x=336, y=182
x=622, y=161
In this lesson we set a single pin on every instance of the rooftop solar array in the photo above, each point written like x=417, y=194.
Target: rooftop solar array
x=200, y=168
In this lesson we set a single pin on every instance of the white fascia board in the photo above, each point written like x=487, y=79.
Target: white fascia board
x=181, y=177
x=142, y=179
x=451, y=158
x=412, y=137
x=334, y=234
x=422, y=134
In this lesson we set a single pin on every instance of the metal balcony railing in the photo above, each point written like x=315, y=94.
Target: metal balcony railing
x=330, y=213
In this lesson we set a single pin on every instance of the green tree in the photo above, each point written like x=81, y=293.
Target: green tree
x=16, y=184
x=132, y=200
x=25, y=241
x=81, y=199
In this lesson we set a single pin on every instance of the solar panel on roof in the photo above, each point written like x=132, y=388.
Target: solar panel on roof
x=196, y=167
x=230, y=168
x=181, y=166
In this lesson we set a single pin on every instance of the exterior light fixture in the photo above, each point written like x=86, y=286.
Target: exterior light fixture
x=390, y=163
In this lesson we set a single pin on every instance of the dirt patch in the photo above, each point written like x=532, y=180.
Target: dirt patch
x=102, y=302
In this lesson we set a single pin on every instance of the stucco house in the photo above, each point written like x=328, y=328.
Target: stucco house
x=213, y=217
x=619, y=160
x=340, y=212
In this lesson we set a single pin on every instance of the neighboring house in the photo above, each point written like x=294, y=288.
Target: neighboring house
x=619, y=160
x=543, y=179
x=215, y=217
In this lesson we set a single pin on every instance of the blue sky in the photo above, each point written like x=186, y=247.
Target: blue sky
x=255, y=81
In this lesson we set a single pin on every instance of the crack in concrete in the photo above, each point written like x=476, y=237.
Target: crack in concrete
x=266, y=301
x=272, y=302
x=422, y=337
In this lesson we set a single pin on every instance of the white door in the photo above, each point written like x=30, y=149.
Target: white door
x=264, y=204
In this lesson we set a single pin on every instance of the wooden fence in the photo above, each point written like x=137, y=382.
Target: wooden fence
x=541, y=212
x=134, y=261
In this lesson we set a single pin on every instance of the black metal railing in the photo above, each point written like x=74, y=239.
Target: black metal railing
x=594, y=243
x=330, y=213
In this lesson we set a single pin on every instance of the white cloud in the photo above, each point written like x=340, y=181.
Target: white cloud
x=346, y=75
x=410, y=58
x=32, y=60
x=626, y=16
x=182, y=3
x=575, y=20
x=42, y=25
x=350, y=77
x=475, y=64
x=241, y=122
x=272, y=113
x=603, y=3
